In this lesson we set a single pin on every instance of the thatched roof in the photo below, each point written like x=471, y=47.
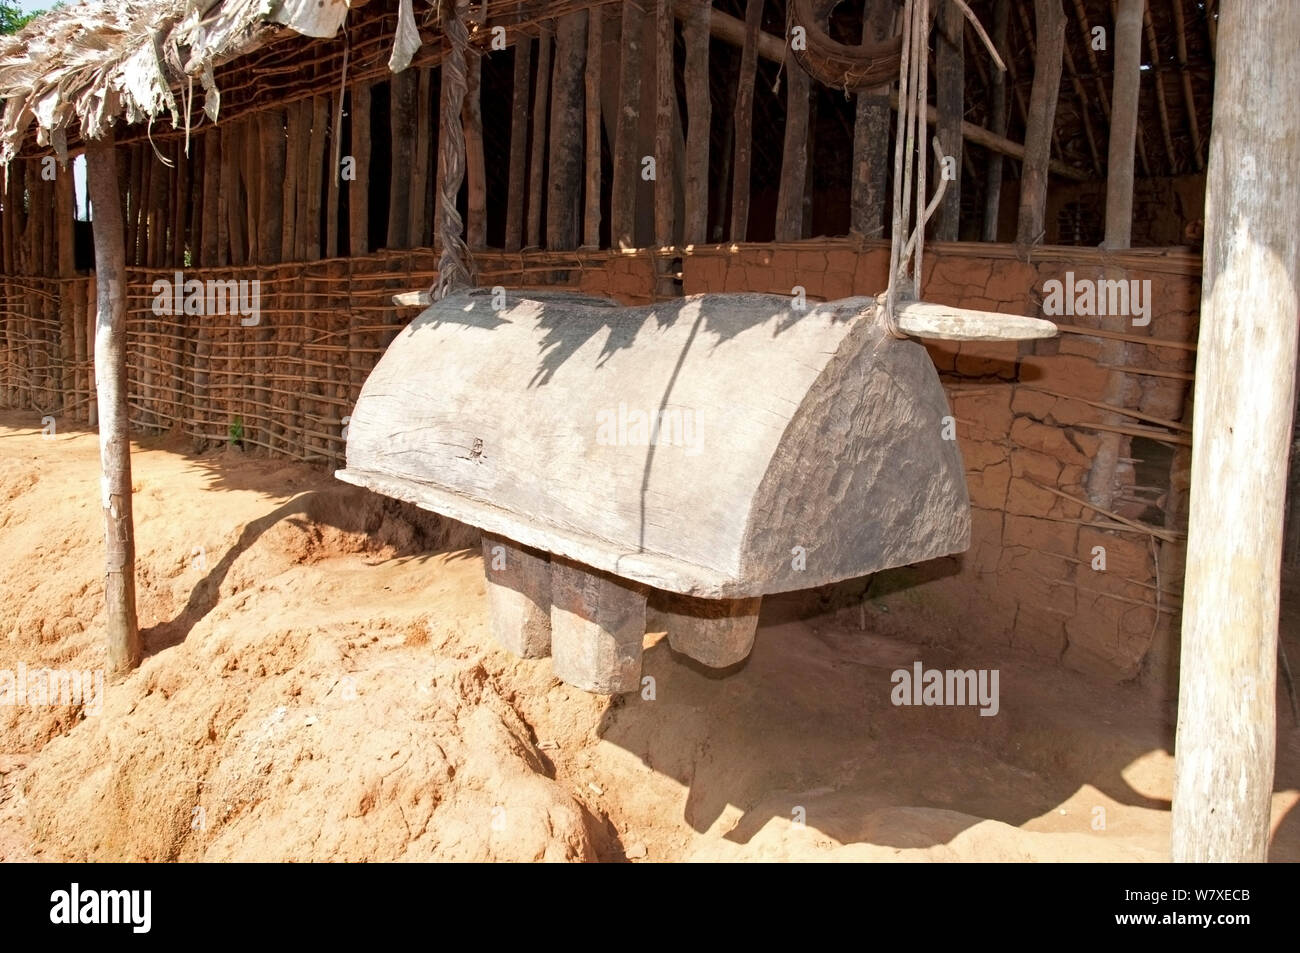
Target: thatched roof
x=85, y=65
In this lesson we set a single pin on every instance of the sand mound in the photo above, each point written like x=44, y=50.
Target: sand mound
x=320, y=684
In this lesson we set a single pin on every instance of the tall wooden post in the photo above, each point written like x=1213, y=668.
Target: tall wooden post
x=1049, y=25
x=110, y=385
x=950, y=93
x=1123, y=123
x=997, y=123
x=1119, y=231
x=744, y=123
x=564, y=171
x=665, y=101
x=699, y=115
x=794, y=156
x=871, y=131
x=593, y=79
x=1245, y=376
x=627, y=164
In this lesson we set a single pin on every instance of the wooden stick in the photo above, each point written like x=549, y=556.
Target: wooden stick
x=359, y=186
x=950, y=88
x=1115, y=408
x=1049, y=22
x=1125, y=336
x=665, y=101
x=699, y=113
x=1157, y=435
x=627, y=164
x=564, y=177
x=1155, y=531
x=519, y=109
x=475, y=162
x=794, y=159
x=744, y=123
x=1152, y=372
x=536, y=197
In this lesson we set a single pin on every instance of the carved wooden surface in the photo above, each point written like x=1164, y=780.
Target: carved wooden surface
x=797, y=447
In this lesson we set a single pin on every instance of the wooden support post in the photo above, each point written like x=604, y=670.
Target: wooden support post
x=744, y=124
x=997, y=122
x=541, y=97
x=1119, y=228
x=718, y=633
x=271, y=135
x=518, y=146
x=1245, y=379
x=320, y=111
x=794, y=155
x=124, y=648
x=65, y=308
x=422, y=161
x=595, y=55
x=699, y=117
x=1049, y=24
x=871, y=131
x=665, y=104
x=403, y=95
x=627, y=164
x=359, y=187
x=564, y=180
x=475, y=162
x=519, y=596
x=949, y=94
x=597, y=627
x=1123, y=123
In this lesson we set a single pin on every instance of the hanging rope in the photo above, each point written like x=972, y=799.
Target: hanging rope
x=913, y=97
x=456, y=265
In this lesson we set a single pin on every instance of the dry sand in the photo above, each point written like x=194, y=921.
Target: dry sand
x=320, y=685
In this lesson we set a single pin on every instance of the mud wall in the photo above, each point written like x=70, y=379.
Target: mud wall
x=1029, y=426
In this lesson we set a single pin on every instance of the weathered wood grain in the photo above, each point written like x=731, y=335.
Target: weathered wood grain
x=780, y=428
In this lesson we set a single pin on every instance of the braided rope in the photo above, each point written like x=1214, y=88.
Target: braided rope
x=456, y=265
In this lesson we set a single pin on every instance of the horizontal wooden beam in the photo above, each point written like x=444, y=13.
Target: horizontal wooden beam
x=732, y=30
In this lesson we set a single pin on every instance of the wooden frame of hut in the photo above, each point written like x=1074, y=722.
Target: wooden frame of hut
x=301, y=151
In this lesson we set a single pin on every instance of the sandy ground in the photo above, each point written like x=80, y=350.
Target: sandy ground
x=320, y=685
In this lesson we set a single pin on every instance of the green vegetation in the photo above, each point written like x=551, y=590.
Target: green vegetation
x=12, y=19
x=237, y=432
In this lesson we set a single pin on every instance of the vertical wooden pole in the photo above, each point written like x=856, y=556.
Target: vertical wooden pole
x=211, y=195
x=425, y=158
x=1049, y=25
x=1119, y=228
x=794, y=158
x=1245, y=380
x=124, y=648
x=997, y=122
x=699, y=115
x=320, y=110
x=518, y=145
x=1123, y=123
x=333, y=150
x=271, y=135
x=535, y=176
x=403, y=92
x=744, y=124
x=871, y=131
x=950, y=92
x=475, y=162
x=627, y=164
x=564, y=179
x=66, y=309
x=665, y=99
x=595, y=55
x=359, y=187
